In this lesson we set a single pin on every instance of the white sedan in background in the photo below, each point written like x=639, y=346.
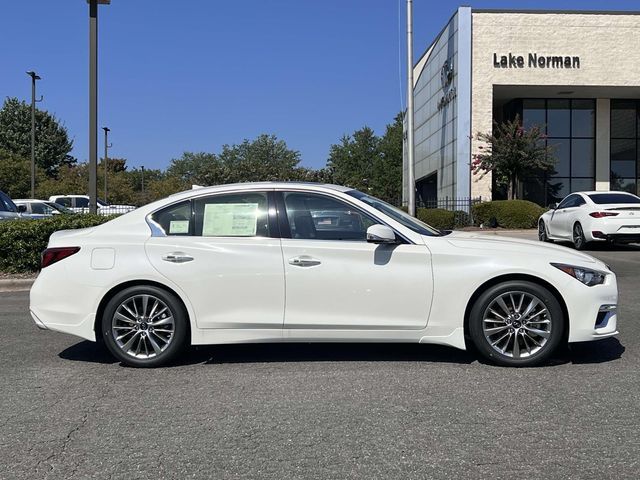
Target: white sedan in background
x=296, y=262
x=584, y=217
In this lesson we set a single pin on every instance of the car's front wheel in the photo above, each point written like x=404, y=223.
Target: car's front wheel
x=542, y=232
x=144, y=326
x=516, y=323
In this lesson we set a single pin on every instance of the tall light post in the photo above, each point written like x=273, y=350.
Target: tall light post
x=93, y=102
x=107, y=146
x=411, y=180
x=34, y=77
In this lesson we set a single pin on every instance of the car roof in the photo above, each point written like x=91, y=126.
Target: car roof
x=266, y=185
x=604, y=191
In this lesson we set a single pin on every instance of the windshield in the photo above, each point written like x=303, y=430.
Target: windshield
x=604, y=198
x=397, y=214
x=57, y=206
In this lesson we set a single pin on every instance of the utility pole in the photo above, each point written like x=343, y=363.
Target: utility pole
x=34, y=76
x=107, y=146
x=93, y=102
x=410, y=147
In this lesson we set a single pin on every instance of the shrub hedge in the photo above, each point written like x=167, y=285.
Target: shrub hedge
x=22, y=241
x=443, y=219
x=508, y=213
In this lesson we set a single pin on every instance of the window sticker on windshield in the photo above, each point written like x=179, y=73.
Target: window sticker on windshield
x=178, y=226
x=230, y=220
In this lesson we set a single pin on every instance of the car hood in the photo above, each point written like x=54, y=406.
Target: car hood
x=491, y=242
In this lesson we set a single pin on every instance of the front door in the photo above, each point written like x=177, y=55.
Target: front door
x=223, y=252
x=336, y=280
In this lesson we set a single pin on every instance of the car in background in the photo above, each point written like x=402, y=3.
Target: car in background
x=302, y=262
x=584, y=217
x=8, y=209
x=35, y=209
x=80, y=204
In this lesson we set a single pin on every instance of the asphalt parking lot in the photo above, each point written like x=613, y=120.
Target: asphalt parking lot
x=67, y=410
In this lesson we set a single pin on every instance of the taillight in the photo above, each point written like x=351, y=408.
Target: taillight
x=53, y=255
x=603, y=214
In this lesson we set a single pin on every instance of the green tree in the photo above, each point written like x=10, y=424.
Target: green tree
x=52, y=140
x=512, y=153
x=264, y=159
x=351, y=162
x=387, y=168
x=15, y=175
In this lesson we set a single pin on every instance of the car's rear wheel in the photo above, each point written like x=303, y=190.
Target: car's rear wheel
x=542, y=232
x=579, y=241
x=144, y=326
x=516, y=323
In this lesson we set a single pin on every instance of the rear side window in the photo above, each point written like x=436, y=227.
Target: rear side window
x=604, y=198
x=232, y=215
x=175, y=219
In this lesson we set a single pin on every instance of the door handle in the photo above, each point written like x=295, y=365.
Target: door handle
x=177, y=257
x=304, y=261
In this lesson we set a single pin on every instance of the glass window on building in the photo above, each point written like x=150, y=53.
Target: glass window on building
x=570, y=128
x=625, y=130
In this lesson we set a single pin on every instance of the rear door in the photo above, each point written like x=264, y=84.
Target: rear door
x=223, y=251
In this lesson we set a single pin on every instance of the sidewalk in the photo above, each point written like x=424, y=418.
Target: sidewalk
x=16, y=283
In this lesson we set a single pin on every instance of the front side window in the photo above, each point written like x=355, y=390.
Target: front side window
x=64, y=201
x=318, y=217
x=568, y=202
x=40, y=209
x=395, y=213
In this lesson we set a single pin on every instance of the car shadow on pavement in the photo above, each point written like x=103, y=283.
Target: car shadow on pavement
x=578, y=353
x=324, y=352
x=605, y=247
x=86, y=351
x=602, y=351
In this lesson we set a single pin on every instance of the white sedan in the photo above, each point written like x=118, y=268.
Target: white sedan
x=584, y=217
x=294, y=262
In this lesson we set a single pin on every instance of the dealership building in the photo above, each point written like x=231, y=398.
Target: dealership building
x=575, y=73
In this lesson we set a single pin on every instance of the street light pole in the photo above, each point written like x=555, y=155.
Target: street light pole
x=93, y=102
x=34, y=76
x=107, y=146
x=411, y=180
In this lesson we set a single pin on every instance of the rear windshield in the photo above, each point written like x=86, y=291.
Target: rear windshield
x=605, y=198
x=6, y=205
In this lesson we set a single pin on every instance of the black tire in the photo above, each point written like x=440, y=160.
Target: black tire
x=176, y=340
x=542, y=232
x=531, y=355
x=579, y=241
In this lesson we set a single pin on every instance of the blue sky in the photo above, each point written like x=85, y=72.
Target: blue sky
x=193, y=75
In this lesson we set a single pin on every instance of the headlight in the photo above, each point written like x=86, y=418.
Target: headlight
x=584, y=275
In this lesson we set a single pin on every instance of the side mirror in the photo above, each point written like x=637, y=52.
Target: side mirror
x=380, y=234
x=553, y=206
x=22, y=208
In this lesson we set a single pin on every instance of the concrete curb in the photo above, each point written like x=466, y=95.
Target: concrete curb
x=16, y=284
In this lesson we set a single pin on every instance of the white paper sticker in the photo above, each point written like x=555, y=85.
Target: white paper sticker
x=230, y=220
x=178, y=226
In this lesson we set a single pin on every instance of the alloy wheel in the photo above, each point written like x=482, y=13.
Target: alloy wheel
x=143, y=326
x=578, y=237
x=517, y=324
x=542, y=232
